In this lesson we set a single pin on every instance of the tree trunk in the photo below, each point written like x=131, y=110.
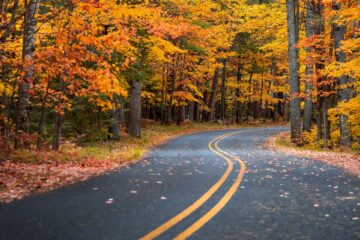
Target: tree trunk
x=5, y=102
x=286, y=109
x=205, y=114
x=308, y=72
x=115, y=131
x=238, y=117
x=190, y=114
x=345, y=91
x=326, y=134
x=58, y=126
x=41, y=120
x=196, y=112
x=319, y=118
x=135, y=109
x=163, y=95
x=181, y=114
x=295, y=114
x=223, y=92
x=172, y=76
x=212, y=99
x=319, y=28
x=22, y=120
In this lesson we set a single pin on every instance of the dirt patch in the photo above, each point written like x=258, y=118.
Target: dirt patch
x=348, y=161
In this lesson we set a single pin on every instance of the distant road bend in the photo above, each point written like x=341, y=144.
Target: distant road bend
x=211, y=185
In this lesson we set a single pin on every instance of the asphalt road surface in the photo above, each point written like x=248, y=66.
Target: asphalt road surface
x=213, y=185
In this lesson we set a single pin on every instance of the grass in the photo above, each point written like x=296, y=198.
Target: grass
x=114, y=152
x=28, y=171
x=283, y=140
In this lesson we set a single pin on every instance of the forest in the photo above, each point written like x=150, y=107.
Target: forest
x=94, y=69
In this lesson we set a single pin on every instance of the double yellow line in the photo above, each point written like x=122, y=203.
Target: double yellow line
x=214, y=147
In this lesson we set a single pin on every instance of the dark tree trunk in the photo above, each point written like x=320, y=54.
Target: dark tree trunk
x=58, y=127
x=238, y=117
x=212, y=99
x=250, y=91
x=22, y=120
x=286, y=109
x=172, y=76
x=181, y=114
x=292, y=26
x=308, y=72
x=5, y=101
x=115, y=131
x=196, y=112
x=163, y=95
x=205, y=114
x=319, y=118
x=41, y=120
x=190, y=114
x=153, y=110
x=319, y=27
x=223, y=91
x=345, y=89
x=135, y=109
x=326, y=134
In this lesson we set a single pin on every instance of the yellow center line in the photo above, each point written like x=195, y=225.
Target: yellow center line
x=223, y=201
x=168, y=224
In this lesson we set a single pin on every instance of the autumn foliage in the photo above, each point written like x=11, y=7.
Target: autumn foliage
x=75, y=68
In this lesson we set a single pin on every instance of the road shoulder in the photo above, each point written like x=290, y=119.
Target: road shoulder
x=350, y=162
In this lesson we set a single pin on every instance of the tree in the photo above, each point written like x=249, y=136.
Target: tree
x=345, y=81
x=293, y=37
x=22, y=121
x=309, y=77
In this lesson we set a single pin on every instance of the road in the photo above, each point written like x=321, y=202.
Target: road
x=212, y=185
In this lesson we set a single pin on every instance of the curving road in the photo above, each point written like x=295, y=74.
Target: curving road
x=213, y=185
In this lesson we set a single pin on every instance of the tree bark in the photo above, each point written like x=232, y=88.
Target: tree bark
x=190, y=114
x=319, y=28
x=326, y=134
x=42, y=119
x=135, y=109
x=181, y=114
x=172, y=76
x=22, y=120
x=309, y=73
x=238, y=117
x=223, y=92
x=212, y=99
x=115, y=131
x=196, y=112
x=58, y=127
x=345, y=91
x=5, y=102
x=295, y=114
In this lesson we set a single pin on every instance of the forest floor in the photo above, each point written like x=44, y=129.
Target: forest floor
x=28, y=171
x=349, y=161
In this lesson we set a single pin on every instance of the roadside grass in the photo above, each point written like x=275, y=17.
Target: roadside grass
x=24, y=172
x=130, y=148
x=283, y=140
x=126, y=149
x=348, y=159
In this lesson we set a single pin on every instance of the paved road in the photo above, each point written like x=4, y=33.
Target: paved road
x=230, y=189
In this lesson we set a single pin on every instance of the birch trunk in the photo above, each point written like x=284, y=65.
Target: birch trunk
x=22, y=120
